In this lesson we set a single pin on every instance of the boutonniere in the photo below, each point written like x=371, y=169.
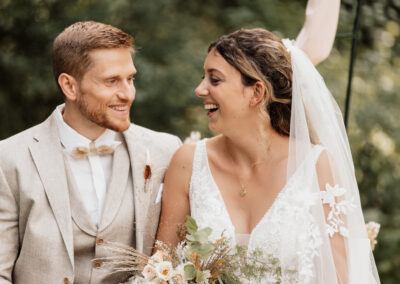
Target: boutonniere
x=147, y=172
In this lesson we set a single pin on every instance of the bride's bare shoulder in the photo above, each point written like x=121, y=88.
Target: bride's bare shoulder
x=183, y=157
x=179, y=172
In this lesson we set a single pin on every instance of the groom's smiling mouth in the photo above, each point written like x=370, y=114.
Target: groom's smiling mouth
x=120, y=108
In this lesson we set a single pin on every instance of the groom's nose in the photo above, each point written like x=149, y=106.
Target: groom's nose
x=127, y=91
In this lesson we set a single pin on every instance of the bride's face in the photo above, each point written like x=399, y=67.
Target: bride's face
x=225, y=98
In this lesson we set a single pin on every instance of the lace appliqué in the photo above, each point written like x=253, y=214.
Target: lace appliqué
x=334, y=196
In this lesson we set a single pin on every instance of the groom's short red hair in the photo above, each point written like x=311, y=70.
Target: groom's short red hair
x=72, y=46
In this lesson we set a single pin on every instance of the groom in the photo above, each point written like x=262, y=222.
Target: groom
x=86, y=175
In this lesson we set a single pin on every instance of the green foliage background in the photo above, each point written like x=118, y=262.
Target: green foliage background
x=172, y=37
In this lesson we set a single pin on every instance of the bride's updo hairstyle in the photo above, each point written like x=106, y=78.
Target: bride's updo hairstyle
x=259, y=55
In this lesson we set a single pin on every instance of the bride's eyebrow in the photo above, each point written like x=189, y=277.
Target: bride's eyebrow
x=213, y=70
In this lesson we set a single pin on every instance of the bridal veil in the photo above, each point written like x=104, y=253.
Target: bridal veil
x=343, y=253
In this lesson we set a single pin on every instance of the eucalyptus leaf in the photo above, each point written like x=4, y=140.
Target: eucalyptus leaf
x=202, y=235
x=191, y=225
x=190, y=238
x=200, y=276
x=189, y=272
x=203, y=250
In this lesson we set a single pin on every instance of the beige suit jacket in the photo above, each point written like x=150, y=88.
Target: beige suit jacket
x=36, y=238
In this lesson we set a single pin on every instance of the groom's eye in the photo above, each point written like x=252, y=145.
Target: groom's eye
x=111, y=81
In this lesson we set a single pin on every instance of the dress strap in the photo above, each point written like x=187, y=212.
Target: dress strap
x=317, y=150
x=198, y=159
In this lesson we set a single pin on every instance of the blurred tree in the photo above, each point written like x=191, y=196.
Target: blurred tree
x=172, y=37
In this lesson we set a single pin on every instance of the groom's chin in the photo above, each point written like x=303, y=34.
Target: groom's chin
x=119, y=126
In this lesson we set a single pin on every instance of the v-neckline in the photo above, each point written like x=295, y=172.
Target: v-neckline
x=226, y=208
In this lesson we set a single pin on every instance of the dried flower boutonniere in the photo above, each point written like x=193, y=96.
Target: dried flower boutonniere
x=147, y=172
x=373, y=231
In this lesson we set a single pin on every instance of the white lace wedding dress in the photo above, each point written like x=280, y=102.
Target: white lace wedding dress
x=287, y=232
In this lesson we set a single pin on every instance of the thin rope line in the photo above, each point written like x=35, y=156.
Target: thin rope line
x=352, y=60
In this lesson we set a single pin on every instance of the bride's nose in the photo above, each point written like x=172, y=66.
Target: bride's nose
x=201, y=90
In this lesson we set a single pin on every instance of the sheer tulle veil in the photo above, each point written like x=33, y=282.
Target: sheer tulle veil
x=316, y=121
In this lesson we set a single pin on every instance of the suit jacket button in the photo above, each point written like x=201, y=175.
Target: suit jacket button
x=66, y=280
x=96, y=264
x=100, y=241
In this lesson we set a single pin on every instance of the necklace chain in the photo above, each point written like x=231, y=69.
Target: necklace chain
x=243, y=190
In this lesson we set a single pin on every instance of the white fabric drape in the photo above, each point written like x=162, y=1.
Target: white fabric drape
x=343, y=252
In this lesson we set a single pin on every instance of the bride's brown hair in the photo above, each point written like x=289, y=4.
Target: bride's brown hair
x=259, y=55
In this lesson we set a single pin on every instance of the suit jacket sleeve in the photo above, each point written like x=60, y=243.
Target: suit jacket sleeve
x=179, y=142
x=9, y=236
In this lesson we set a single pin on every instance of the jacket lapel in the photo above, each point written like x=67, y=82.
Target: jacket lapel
x=137, y=153
x=117, y=186
x=48, y=157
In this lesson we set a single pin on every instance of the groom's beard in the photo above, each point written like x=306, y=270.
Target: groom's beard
x=101, y=115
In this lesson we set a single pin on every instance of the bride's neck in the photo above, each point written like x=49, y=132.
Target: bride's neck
x=252, y=146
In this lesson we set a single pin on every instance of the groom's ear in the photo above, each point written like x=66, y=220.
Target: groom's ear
x=68, y=85
x=258, y=93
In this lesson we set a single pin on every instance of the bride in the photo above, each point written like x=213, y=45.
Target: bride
x=280, y=176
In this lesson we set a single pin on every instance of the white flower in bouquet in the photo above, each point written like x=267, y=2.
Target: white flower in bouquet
x=180, y=269
x=180, y=252
x=157, y=257
x=178, y=274
x=178, y=278
x=149, y=272
x=164, y=270
x=204, y=277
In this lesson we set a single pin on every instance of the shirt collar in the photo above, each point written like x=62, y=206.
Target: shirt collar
x=70, y=138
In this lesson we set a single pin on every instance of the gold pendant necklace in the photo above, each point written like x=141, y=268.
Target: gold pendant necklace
x=243, y=191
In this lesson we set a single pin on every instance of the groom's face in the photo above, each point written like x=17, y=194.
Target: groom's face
x=106, y=90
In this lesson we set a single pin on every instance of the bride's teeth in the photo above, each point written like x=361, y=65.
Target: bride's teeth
x=210, y=106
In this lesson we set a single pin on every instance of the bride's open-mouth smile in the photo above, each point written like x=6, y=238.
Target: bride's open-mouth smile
x=212, y=109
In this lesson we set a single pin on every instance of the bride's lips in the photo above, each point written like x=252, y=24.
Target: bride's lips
x=212, y=109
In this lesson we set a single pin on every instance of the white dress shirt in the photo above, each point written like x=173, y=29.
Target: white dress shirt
x=92, y=174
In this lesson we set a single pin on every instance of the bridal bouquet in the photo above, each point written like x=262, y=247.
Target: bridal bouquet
x=194, y=260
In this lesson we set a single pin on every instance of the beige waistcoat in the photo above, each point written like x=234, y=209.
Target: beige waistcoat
x=89, y=239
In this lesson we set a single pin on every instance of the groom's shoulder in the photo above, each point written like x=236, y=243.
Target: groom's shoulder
x=154, y=138
x=20, y=139
x=15, y=149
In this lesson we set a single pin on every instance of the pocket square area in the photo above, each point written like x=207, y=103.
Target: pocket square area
x=159, y=193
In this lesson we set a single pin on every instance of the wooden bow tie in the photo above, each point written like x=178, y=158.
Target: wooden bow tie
x=83, y=152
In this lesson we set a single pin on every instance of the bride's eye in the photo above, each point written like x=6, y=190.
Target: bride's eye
x=214, y=80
